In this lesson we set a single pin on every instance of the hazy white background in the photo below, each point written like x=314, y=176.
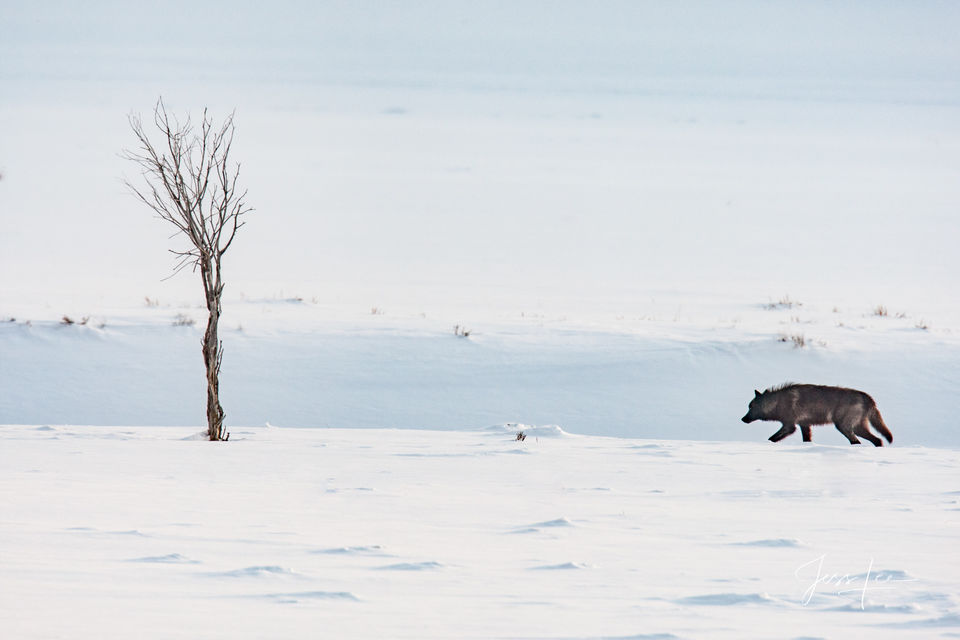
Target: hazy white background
x=501, y=150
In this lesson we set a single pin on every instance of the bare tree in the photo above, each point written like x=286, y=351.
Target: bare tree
x=189, y=182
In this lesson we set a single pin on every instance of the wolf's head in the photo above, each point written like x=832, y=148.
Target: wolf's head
x=756, y=410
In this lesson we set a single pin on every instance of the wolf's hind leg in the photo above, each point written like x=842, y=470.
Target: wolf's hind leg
x=864, y=432
x=784, y=431
x=848, y=433
x=805, y=432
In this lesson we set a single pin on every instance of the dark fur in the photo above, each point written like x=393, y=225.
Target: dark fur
x=807, y=405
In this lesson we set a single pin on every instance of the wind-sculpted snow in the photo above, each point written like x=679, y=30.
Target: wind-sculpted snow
x=565, y=566
x=427, y=565
x=776, y=543
x=375, y=550
x=544, y=527
x=274, y=536
x=727, y=599
x=301, y=596
x=256, y=572
x=172, y=558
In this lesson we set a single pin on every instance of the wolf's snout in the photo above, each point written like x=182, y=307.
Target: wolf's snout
x=746, y=418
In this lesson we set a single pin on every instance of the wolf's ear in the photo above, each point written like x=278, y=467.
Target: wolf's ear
x=758, y=394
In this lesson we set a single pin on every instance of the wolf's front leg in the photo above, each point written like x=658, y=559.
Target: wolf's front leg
x=784, y=431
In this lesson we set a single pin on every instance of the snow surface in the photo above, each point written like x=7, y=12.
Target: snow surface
x=372, y=533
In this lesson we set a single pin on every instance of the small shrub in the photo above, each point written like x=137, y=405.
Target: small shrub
x=461, y=331
x=376, y=311
x=798, y=339
x=150, y=302
x=67, y=320
x=783, y=303
x=880, y=311
x=521, y=436
x=183, y=320
x=922, y=325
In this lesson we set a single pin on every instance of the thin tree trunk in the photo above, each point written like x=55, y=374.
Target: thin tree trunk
x=213, y=349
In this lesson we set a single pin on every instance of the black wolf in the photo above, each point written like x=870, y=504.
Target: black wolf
x=810, y=404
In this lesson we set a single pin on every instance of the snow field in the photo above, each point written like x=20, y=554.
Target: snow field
x=426, y=534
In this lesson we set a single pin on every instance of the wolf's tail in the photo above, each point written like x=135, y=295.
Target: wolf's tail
x=877, y=423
